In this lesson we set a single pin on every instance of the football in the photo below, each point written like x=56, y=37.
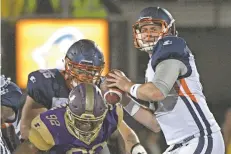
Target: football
x=112, y=95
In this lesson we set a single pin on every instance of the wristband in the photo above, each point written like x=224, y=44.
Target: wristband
x=133, y=90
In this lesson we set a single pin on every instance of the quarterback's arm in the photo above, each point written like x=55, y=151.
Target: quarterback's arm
x=166, y=75
x=30, y=110
x=140, y=112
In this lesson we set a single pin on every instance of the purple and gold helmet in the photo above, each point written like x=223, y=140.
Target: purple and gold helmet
x=86, y=111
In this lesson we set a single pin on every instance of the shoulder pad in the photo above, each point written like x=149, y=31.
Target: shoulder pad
x=41, y=131
x=38, y=83
x=171, y=47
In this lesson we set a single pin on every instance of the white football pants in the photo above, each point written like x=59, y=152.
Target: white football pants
x=213, y=144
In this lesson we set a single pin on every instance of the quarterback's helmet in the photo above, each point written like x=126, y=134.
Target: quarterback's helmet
x=84, y=61
x=154, y=16
x=86, y=111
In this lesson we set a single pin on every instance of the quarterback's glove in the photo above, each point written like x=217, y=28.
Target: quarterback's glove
x=138, y=149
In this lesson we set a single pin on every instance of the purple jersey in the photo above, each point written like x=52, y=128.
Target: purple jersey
x=65, y=142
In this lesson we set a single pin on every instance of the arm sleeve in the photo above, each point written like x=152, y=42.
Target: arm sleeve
x=38, y=88
x=167, y=72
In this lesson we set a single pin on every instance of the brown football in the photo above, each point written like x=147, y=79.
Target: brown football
x=113, y=95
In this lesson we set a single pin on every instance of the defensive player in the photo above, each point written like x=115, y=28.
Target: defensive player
x=82, y=126
x=10, y=104
x=172, y=87
x=84, y=62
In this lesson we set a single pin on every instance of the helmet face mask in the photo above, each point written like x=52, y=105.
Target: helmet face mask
x=153, y=24
x=86, y=127
x=83, y=71
x=85, y=112
x=147, y=31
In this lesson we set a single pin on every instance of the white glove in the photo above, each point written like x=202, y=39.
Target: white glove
x=138, y=149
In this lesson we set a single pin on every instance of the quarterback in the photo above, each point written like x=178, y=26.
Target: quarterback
x=172, y=87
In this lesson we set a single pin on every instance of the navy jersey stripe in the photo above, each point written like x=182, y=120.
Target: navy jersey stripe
x=200, y=145
x=193, y=113
x=208, y=128
x=210, y=145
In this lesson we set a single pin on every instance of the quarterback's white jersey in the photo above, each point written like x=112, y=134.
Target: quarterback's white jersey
x=184, y=112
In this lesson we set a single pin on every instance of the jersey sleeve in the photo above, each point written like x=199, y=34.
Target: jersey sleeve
x=37, y=87
x=12, y=97
x=172, y=48
x=120, y=113
x=40, y=136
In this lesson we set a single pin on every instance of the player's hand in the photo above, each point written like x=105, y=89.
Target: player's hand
x=119, y=80
x=138, y=149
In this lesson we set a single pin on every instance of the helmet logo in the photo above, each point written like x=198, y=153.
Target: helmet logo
x=72, y=98
x=86, y=62
x=168, y=42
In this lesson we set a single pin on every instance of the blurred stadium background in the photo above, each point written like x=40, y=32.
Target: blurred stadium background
x=36, y=33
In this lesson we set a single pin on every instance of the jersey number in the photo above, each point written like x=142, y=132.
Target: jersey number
x=53, y=120
x=47, y=73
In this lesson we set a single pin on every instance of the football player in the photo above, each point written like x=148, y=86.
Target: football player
x=172, y=86
x=81, y=126
x=10, y=104
x=84, y=62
